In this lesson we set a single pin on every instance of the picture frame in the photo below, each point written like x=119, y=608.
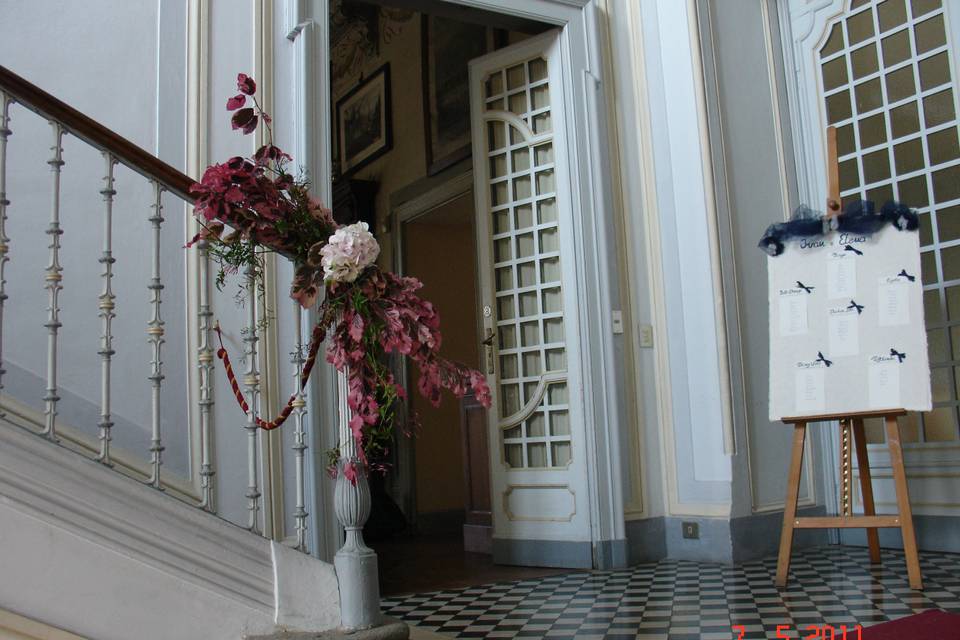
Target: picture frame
x=446, y=86
x=365, y=122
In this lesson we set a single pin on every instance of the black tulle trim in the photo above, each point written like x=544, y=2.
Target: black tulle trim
x=859, y=218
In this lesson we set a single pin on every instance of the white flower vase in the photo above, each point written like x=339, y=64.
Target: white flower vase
x=355, y=562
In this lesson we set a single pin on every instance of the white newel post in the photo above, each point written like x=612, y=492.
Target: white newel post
x=355, y=562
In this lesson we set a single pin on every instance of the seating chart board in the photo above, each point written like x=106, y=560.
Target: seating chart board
x=846, y=325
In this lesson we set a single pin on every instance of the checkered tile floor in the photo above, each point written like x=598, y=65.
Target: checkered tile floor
x=677, y=600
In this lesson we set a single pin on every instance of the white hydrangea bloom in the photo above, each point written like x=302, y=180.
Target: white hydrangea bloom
x=348, y=252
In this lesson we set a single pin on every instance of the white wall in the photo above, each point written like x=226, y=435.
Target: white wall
x=754, y=155
x=129, y=82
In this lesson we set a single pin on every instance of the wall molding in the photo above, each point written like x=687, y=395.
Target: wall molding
x=713, y=233
x=197, y=77
x=305, y=25
x=634, y=506
x=268, y=347
x=651, y=243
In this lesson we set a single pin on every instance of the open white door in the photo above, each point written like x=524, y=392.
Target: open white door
x=538, y=460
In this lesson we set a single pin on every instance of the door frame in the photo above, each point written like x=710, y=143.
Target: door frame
x=594, y=247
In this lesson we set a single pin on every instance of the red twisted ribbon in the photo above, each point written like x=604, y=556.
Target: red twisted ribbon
x=315, y=341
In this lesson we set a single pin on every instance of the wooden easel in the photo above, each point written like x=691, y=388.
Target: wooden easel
x=852, y=436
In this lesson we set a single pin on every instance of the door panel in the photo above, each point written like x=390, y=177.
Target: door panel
x=537, y=457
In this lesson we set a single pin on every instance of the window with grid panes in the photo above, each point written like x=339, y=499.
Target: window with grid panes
x=534, y=410
x=888, y=88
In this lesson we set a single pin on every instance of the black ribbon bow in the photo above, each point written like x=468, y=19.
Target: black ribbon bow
x=850, y=247
x=900, y=356
x=820, y=358
x=805, y=287
x=853, y=305
x=903, y=272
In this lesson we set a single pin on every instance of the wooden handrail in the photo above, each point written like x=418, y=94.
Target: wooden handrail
x=95, y=134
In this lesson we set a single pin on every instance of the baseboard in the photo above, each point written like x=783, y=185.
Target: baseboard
x=17, y=627
x=610, y=554
x=934, y=533
x=758, y=535
x=543, y=553
x=713, y=544
x=646, y=540
x=720, y=540
x=478, y=538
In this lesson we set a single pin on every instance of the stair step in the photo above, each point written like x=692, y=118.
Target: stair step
x=391, y=629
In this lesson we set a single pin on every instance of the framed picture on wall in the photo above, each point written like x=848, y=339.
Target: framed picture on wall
x=447, y=48
x=364, y=122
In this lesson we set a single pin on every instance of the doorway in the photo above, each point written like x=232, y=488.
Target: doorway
x=442, y=475
x=493, y=139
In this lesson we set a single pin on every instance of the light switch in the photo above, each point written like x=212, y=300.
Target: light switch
x=617, y=317
x=646, y=336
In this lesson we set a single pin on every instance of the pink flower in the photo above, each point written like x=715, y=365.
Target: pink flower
x=348, y=252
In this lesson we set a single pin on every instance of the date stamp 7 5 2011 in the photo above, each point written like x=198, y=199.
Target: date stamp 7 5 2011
x=812, y=632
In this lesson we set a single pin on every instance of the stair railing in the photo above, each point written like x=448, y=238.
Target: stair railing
x=164, y=179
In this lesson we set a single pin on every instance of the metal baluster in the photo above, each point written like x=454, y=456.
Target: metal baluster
x=299, y=446
x=155, y=338
x=106, y=305
x=54, y=275
x=4, y=240
x=205, y=364
x=251, y=381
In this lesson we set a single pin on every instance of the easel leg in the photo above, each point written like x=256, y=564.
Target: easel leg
x=790, y=508
x=903, y=503
x=866, y=486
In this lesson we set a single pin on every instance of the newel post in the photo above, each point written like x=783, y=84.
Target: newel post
x=355, y=562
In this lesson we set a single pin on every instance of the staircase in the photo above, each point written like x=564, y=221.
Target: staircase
x=100, y=535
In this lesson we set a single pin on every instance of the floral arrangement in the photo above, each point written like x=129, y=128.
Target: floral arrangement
x=368, y=313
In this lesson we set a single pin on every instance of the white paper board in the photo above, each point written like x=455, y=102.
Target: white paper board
x=846, y=325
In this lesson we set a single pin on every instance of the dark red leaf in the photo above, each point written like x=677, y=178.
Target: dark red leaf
x=244, y=119
x=236, y=102
x=245, y=84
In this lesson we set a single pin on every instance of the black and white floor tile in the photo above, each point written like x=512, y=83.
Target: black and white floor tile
x=679, y=600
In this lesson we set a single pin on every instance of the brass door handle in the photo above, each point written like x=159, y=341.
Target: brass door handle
x=488, y=343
